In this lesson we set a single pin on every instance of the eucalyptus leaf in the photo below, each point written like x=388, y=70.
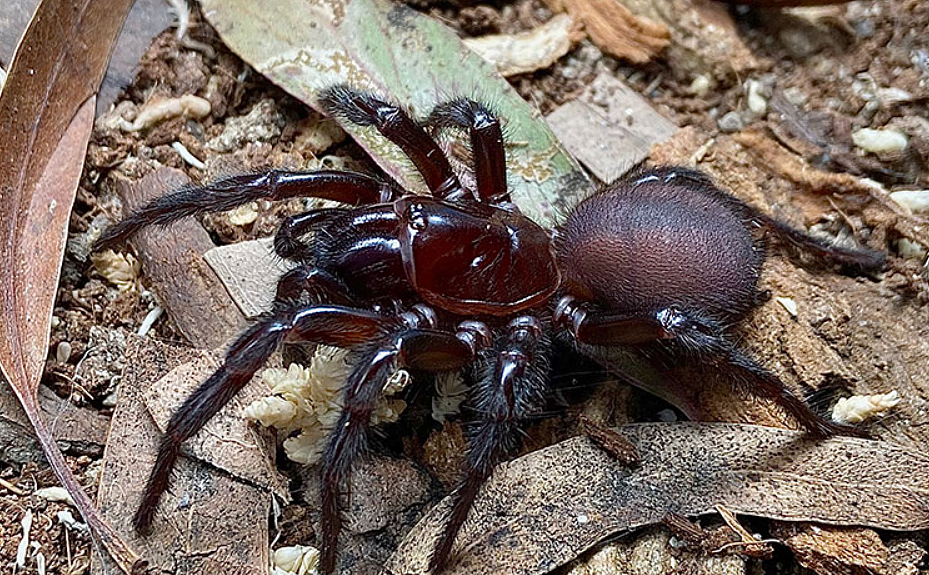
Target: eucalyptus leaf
x=305, y=46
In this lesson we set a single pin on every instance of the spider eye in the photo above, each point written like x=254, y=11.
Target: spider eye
x=416, y=216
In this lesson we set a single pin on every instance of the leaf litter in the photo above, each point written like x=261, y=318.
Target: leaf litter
x=908, y=408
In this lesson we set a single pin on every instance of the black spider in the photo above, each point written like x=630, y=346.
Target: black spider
x=662, y=259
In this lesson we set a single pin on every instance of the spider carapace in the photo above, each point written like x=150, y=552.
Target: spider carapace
x=462, y=279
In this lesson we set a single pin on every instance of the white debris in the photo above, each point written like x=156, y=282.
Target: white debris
x=789, y=304
x=243, y=215
x=120, y=269
x=755, y=98
x=56, y=494
x=296, y=560
x=916, y=201
x=66, y=518
x=185, y=155
x=911, y=250
x=513, y=54
x=24, y=542
x=158, y=110
x=701, y=85
x=880, y=141
x=860, y=408
x=150, y=318
x=450, y=393
x=308, y=401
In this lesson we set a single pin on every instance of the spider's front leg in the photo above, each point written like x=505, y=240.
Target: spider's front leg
x=235, y=191
x=511, y=386
x=487, y=148
x=397, y=126
x=328, y=324
x=416, y=345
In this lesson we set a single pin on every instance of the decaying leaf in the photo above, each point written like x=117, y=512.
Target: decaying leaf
x=306, y=46
x=513, y=54
x=616, y=30
x=544, y=509
x=210, y=521
x=46, y=114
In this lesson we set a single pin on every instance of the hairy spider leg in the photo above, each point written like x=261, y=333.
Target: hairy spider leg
x=413, y=347
x=511, y=384
x=397, y=126
x=234, y=191
x=327, y=324
x=287, y=242
x=863, y=260
x=487, y=148
x=689, y=336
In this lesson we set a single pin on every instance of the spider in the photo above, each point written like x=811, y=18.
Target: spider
x=461, y=278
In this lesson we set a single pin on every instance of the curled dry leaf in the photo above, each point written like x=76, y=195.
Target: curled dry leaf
x=513, y=54
x=544, y=509
x=46, y=114
x=305, y=46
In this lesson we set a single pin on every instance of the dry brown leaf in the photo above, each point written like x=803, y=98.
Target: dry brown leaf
x=831, y=550
x=513, y=54
x=616, y=30
x=544, y=509
x=227, y=441
x=46, y=114
x=211, y=522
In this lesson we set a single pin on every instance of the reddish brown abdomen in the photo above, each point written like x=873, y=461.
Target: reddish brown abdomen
x=647, y=244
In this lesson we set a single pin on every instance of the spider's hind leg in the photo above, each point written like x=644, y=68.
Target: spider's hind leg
x=863, y=260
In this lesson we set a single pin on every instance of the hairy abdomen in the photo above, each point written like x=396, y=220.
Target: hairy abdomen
x=661, y=240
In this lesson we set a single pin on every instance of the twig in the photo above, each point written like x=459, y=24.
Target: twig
x=11, y=488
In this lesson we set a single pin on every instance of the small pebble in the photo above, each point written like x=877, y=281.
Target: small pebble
x=63, y=352
x=880, y=141
x=789, y=304
x=731, y=122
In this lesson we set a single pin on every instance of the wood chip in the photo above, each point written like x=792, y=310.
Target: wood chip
x=834, y=550
x=704, y=37
x=172, y=259
x=610, y=128
x=249, y=271
x=615, y=29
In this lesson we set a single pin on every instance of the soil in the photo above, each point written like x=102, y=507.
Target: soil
x=824, y=73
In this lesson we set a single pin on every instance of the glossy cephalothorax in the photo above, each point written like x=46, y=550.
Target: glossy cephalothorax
x=462, y=279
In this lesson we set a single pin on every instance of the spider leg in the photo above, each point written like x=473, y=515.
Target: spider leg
x=510, y=389
x=697, y=338
x=486, y=144
x=228, y=193
x=860, y=259
x=412, y=347
x=287, y=242
x=323, y=287
x=397, y=126
x=332, y=325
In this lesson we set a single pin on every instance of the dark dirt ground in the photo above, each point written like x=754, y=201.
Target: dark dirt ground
x=819, y=78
